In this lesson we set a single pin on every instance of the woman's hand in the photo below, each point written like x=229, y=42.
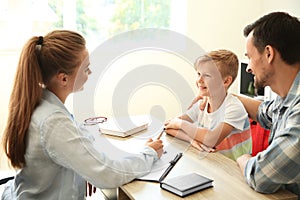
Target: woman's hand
x=157, y=145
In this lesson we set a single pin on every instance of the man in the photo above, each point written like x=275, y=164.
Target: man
x=273, y=49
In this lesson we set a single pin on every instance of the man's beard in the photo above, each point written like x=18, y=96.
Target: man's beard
x=262, y=81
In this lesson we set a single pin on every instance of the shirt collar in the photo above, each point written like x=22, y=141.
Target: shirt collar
x=279, y=102
x=53, y=99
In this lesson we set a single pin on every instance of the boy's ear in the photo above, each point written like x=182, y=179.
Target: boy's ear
x=227, y=81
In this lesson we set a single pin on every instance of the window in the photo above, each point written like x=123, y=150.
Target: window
x=97, y=20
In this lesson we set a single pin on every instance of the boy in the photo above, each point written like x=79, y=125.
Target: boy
x=223, y=125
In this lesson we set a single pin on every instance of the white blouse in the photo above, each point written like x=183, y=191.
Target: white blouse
x=60, y=157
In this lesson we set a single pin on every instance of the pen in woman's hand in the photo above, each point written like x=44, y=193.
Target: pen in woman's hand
x=159, y=136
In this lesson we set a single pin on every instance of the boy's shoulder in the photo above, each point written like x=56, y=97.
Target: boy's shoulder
x=230, y=98
x=233, y=102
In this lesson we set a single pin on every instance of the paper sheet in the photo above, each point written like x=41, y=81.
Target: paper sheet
x=162, y=164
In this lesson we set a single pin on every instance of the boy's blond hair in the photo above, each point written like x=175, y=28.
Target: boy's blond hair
x=225, y=60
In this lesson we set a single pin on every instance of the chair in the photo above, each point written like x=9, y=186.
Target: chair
x=5, y=180
x=5, y=176
x=260, y=137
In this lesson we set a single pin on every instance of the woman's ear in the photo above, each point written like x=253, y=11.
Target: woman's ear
x=62, y=79
x=227, y=81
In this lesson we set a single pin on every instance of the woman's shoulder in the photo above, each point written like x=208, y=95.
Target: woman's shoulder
x=44, y=110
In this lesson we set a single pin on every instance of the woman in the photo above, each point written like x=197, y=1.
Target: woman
x=54, y=155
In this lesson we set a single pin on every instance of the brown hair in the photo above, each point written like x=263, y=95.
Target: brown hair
x=281, y=31
x=40, y=59
x=226, y=61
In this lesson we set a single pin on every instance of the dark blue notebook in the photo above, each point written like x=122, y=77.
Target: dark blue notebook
x=186, y=184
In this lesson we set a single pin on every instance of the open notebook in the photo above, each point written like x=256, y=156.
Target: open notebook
x=124, y=126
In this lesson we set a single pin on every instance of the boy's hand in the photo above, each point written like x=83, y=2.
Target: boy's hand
x=202, y=147
x=195, y=144
x=173, y=123
x=172, y=132
x=157, y=145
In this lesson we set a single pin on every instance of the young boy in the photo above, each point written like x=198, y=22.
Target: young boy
x=223, y=125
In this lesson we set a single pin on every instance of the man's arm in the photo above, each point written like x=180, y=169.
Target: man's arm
x=251, y=105
x=242, y=161
x=278, y=165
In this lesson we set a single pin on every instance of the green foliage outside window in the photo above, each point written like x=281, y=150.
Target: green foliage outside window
x=136, y=14
x=57, y=7
x=126, y=15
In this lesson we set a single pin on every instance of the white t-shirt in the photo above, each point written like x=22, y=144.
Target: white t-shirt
x=231, y=112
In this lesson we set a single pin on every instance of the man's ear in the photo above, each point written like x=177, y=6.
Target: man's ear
x=269, y=53
x=227, y=81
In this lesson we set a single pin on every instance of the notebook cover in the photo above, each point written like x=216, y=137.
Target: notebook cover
x=123, y=127
x=186, y=184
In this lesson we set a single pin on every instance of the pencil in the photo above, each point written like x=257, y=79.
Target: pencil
x=159, y=136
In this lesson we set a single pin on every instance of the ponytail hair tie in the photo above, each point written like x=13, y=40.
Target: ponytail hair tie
x=40, y=41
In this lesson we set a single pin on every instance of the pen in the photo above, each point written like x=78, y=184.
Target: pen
x=159, y=136
x=172, y=163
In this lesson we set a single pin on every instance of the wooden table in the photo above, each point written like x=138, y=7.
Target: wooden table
x=228, y=181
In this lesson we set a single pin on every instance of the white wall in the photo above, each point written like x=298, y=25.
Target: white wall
x=212, y=24
x=157, y=97
x=290, y=6
x=216, y=24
